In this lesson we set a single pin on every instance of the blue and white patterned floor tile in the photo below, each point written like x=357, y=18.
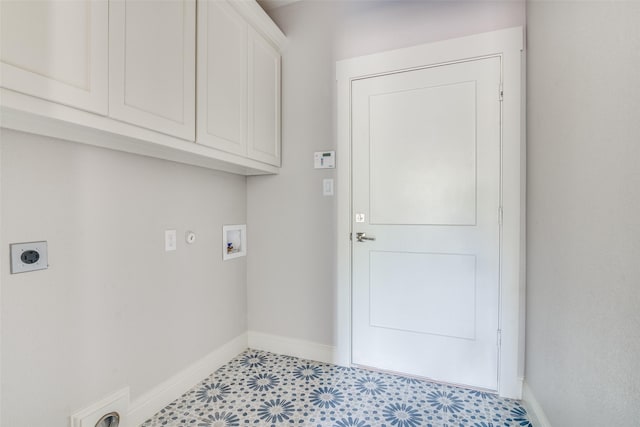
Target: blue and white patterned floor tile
x=264, y=389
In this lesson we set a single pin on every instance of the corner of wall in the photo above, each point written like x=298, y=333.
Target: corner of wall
x=533, y=407
x=147, y=405
x=292, y=347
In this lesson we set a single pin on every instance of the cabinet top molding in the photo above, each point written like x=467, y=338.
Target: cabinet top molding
x=262, y=23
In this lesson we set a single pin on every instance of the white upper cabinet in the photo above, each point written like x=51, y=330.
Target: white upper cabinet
x=239, y=80
x=56, y=50
x=264, y=101
x=152, y=46
x=122, y=74
x=222, y=77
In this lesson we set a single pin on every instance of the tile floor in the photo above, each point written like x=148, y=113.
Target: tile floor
x=264, y=389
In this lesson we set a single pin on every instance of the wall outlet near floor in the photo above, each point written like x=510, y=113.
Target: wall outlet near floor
x=108, y=411
x=170, y=242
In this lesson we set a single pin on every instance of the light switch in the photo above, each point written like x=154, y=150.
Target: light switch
x=170, y=240
x=327, y=187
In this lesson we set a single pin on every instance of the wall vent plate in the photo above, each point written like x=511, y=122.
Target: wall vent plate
x=28, y=257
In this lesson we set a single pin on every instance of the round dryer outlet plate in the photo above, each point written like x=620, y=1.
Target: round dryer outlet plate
x=112, y=419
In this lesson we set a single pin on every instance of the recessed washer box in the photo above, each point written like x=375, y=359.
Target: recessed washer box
x=30, y=256
x=234, y=241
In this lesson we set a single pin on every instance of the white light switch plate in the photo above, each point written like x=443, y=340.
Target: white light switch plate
x=327, y=187
x=170, y=240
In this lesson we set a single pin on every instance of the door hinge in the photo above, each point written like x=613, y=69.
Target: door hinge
x=499, y=338
x=501, y=92
x=351, y=236
x=500, y=215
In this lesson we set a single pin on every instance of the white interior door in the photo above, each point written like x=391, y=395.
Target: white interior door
x=426, y=186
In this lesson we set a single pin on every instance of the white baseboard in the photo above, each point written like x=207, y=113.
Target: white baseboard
x=539, y=419
x=147, y=405
x=292, y=347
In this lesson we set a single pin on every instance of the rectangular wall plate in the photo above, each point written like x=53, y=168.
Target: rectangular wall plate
x=324, y=160
x=327, y=187
x=170, y=240
x=30, y=256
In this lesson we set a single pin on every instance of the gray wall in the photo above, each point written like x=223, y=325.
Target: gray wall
x=583, y=284
x=291, y=266
x=114, y=308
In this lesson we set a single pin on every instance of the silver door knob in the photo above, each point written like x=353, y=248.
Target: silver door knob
x=361, y=237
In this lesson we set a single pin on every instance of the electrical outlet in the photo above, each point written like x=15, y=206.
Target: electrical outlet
x=28, y=257
x=170, y=242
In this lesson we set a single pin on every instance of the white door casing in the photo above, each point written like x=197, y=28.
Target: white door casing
x=426, y=172
x=506, y=45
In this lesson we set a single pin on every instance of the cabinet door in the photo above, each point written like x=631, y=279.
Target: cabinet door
x=56, y=50
x=152, y=64
x=264, y=100
x=222, y=77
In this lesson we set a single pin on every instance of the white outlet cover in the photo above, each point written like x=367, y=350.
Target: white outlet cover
x=17, y=249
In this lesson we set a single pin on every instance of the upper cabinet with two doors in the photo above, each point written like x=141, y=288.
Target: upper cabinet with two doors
x=238, y=85
x=130, y=68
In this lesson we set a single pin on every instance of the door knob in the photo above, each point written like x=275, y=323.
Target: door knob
x=361, y=237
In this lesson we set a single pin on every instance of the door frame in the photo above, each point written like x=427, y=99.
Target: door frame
x=508, y=44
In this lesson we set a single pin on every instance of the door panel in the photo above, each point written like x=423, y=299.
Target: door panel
x=437, y=283
x=434, y=138
x=426, y=174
